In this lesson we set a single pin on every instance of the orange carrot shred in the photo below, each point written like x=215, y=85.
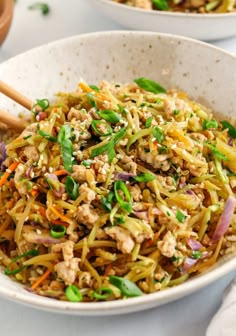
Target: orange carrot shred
x=60, y=172
x=41, y=279
x=60, y=215
x=42, y=212
x=58, y=222
x=9, y=170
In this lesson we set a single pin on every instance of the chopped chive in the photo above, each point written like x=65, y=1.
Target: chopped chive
x=231, y=128
x=160, y=4
x=176, y=112
x=94, y=88
x=72, y=188
x=217, y=153
x=158, y=134
x=73, y=294
x=148, y=122
x=180, y=216
x=196, y=254
x=42, y=103
x=144, y=177
x=32, y=253
x=42, y=6
x=102, y=293
x=96, y=123
x=207, y=124
x=127, y=287
x=58, y=231
x=120, y=186
x=110, y=116
x=47, y=136
x=149, y=85
x=91, y=100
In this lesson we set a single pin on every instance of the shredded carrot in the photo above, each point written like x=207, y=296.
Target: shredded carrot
x=42, y=212
x=9, y=170
x=58, y=222
x=60, y=215
x=108, y=269
x=41, y=279
x=60, y=172
x=34, y=193
x=87, y=89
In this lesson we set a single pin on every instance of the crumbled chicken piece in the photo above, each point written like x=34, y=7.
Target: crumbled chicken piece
x=167, y=245
x=123, y=237
x=145, y=4
x=85, y=280
x=128, y=164
x=31, y=153
x=80, y=115
x=80, y=173
x=101, y=168
x=87, y=215
x=29, y=130
x=135, y=192
x=67, y=270
x=66, y=248
x=90, y=195
x=156, y=161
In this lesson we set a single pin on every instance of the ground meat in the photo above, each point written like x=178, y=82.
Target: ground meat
x=101, y=168
x=124, y=241
x=79, y=115
x=66, y=248
x=90, y=195
x=31, y=153
x=128, y=164
x=167, y=245
x=80, y=173
x=135, y=192
x=67, y=270
x=87, y=215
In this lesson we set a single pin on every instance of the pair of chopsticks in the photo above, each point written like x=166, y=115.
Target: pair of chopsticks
x=8, y=119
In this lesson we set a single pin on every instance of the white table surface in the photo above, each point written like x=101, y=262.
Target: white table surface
x=189, y=316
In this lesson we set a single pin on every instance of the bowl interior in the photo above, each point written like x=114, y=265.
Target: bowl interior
x=204, y=72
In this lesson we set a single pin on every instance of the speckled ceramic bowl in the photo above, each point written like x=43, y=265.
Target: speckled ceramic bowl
x=206, y=73
x=204, y=27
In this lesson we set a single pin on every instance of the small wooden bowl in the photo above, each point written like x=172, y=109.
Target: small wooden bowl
x=6, y=14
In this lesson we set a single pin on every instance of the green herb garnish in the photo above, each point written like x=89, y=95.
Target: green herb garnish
x=58, y=231
x=125, y=201
x=102, y=293
x=94, y=88
x=176, y=112
x=196, y=254
x=42, y=103
x=91, y=100
x=158, y=134
x=148, y=122
x=127, y=287
x=72, y=188
x=73, y=294
x=96, y=123
x=231, y=128
x=7, y=271
x=180, y=216
x=110, y=116
x=161, y=4
x=144, y=177
x=209, y=124
x=149, y=85
x=42, y=6
x=47, y=136
x=66, y=147
x=217, y=153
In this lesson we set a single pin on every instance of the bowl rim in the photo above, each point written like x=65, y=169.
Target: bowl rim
x=6, y=16
x=150, y=12
x=132, y=304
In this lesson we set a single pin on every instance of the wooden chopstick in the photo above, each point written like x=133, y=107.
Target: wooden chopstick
x=11, y=121
x=8, y=119
x=15, y=95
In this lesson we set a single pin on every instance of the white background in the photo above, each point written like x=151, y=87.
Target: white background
x=189, y=316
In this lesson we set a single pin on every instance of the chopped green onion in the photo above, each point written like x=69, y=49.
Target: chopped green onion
x=72, y=188
x=66, y=147
x=73, y=294
x=42, y=103
x=109, y=147
x=149, y=85
x=148, y=122
x=87, y=163
x=64, y=133
x=144, y=177
x=196, y=254
x=127, y=287
x=106, y=204
x=176, y=112
x=42, y=6
x=110, y=116
x=121, y=186
x=163, y=149
x=119, y=220
x=102, y=293
x=58, y=231
x=209, y=124
x=158, y=134
x=95, y=123
x=231, y=128
x=121, y=109
x=161, y=4
x=94, y=88
x=217, y=153
x=32, y=253
x=91, y=100
x=47, y=136
x=180, y=216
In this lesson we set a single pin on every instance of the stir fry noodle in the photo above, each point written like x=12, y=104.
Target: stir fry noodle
x=116, y=191
x=187, y=6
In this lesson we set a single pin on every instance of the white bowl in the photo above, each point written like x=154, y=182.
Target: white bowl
x=206, y=73
x=204, y=27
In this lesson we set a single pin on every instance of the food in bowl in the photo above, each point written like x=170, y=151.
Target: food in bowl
x=191, y=6
x=116, y=191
